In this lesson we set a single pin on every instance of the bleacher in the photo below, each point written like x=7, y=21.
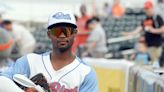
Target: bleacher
x=115, y=26
x=43, y=43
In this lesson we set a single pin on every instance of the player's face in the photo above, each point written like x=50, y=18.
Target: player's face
x=62, y=37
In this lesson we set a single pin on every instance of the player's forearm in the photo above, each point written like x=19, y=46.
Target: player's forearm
x=30, y=90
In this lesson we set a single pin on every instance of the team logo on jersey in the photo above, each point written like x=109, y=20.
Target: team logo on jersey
x=61, y=15
x=57, y=87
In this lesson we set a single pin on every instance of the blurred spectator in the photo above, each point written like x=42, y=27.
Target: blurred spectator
x=141, y=56
x=160, y=8
x=107, y=9
x=82, y=31
x=153, y=27
x=117, y=9
x=23, y=38
x=6, y=44
x=96, y=42
x=7, y=25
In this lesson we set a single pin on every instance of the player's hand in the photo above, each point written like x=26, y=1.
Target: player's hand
x=30, y=90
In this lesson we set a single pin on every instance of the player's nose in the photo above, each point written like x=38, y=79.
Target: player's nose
x=62, y=35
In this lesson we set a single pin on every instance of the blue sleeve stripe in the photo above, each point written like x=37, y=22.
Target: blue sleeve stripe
x=90, y=83
x=81, y=61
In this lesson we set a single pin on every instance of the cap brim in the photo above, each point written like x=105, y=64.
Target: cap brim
x=62, y=24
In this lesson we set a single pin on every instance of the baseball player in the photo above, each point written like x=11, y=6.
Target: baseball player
x=63, y=70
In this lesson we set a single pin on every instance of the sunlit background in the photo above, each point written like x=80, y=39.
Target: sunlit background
x=116, y=71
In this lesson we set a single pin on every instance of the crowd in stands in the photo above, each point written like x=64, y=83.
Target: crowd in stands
x=93, y=34
x=15, y=39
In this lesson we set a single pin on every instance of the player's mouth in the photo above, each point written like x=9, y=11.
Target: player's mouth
x=63, y=43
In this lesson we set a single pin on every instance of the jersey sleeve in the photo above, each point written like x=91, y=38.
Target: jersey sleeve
x=160, y=20
x=90, y=83
x=21, y=66
x=94, y=36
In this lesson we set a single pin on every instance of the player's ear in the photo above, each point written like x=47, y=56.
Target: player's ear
x=75, y=31
x=48, y=34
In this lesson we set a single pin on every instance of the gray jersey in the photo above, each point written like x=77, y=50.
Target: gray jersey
x=98, y=36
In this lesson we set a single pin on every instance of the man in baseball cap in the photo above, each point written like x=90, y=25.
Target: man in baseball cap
x=62, y=23
x=148, y=6
x=152, y=27
x=62, y=18
x=64, y=71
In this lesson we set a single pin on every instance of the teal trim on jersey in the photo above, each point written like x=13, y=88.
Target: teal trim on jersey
x=90, y=82
x=81, y=61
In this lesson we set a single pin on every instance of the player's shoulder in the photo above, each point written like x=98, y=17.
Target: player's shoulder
x=35, y=55
x=84, y=67
x=83, y=63
x=86, y=71
x=31, y=57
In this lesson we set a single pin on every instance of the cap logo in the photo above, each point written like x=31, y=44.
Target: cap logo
x=61, y=15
